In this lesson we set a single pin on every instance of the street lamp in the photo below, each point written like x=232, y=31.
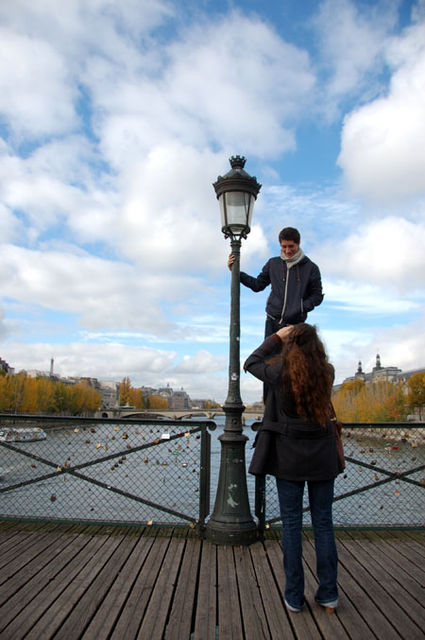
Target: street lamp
x=231, y=521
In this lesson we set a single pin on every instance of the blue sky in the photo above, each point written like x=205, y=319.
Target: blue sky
x=115, y=120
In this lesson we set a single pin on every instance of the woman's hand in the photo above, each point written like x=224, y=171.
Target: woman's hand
x=230, y=261
x=284, y=332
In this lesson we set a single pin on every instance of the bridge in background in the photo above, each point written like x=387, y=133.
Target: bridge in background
x=171, y=414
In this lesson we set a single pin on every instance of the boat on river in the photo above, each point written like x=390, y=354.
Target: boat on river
x=22, y=434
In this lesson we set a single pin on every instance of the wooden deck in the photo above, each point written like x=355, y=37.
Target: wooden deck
x=70, y=582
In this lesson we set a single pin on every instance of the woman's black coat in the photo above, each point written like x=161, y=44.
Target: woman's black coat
x=287, y=446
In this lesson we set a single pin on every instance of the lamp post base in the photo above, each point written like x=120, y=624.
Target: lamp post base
x=231, y=521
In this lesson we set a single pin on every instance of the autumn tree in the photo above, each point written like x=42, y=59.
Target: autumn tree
x=124, y=391
x=45, y=395
x=157, y=402
x=416, y=395
x=6, y=394
x=29, y=397
x=381, y=401
x=22, y=394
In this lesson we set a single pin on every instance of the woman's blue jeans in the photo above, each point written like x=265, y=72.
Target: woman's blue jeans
x=291, y=504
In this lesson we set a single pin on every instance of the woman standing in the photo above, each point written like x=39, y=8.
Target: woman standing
x=296, y=444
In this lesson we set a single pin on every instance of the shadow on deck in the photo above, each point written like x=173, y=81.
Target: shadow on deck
x=92, y=582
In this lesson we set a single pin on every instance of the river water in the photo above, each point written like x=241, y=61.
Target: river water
x=168, y=474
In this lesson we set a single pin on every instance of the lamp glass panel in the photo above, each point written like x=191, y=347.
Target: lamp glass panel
x=236, y=209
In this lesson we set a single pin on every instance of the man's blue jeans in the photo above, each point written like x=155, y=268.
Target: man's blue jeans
x=291, y=503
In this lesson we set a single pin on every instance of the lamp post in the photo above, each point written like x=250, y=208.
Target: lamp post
x=231, y=521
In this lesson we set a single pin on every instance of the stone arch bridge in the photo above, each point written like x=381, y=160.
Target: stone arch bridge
x=170, y=414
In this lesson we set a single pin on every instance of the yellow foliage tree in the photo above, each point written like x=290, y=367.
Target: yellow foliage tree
x=416, y=396
x=381, y=401
x=157, y=402
x=21, y=394
x=124, y=391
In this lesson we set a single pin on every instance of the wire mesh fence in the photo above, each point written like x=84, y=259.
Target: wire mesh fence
x=158, y=472
x=383, y=484
x=151, y=472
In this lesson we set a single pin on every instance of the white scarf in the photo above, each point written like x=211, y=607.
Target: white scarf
x=290, y=262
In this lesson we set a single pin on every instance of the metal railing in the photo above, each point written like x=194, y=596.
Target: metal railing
x=158, y=473
x=383, y=484
x=151, y=472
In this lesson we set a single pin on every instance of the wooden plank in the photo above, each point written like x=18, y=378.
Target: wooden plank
x=206, y=609
x=394, y=552
x=31, y=554
x=180, y=620
x=97, y=583
x=11, y=550
x=396, y=570
x=128, y=623
x=272, y=594
x=329, y=625
x=417, y=535
x=24, y=587
x=303, y=624
x=75, y=607
x=229, y=612
x=11, y=540
x=411, y=551
x=347, y=614
x=371, y=601
x=114, y=601
x=42, y=596
x=7, y=526
x=253, y=614
x=404, y=611
x=155, y=618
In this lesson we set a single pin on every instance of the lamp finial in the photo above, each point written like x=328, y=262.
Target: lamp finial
x=237, y=162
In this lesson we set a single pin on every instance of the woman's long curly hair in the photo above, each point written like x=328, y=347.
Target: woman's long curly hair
x=307, y=372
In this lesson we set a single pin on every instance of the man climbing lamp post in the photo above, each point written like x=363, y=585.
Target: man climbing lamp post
x=231, y=521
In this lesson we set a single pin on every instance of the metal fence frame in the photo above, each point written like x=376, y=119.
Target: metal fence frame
x=202, y=427
x=77, y=471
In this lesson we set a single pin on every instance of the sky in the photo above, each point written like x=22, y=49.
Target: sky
x=115, y=119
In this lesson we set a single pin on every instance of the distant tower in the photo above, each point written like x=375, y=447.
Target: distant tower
x=359, y=373
x=51, y=367
x=377, y=366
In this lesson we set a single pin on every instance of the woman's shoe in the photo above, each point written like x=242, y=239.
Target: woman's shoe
x=329, y=606
x=293, y=609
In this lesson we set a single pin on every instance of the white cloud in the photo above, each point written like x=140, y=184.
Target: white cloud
x=76, y=27
x=10, y=227
x=204, y=93
x=32, y=76
x=4, y=326
x=200, y=363
x=352, y=39
x=398, y=346
x=104, y=361
x=386, y=253
x=226, y=91
x=103, y=293
x=144, y=365
x=366, y=299
x=383, y=142
x=119, y=116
